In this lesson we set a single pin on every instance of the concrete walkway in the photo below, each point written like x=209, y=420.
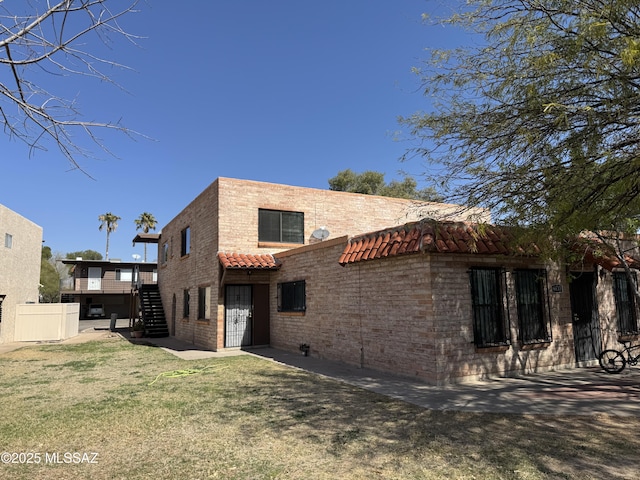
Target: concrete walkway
x=579, y=391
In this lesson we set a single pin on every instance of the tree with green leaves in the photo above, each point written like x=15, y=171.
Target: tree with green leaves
x=85, y=255
x=108, y=222
x=538, y=120
x=49, y=278
x=373, y=183
x=145, y=222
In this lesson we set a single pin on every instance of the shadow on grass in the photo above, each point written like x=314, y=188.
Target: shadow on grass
x=349, y=420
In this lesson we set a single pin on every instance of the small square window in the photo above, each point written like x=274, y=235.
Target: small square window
x=292, y=296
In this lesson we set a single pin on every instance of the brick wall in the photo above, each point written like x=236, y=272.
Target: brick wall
x=372, y=314
x=224, y=217
x=411, y=315
x=199, y=268
x=340, y=212
x=458, y=358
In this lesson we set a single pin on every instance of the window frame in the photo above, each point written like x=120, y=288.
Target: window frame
x=626, y=309
x=128, y=274
x=186, y=299
x=267, y=227
x=491, y=322
x=292, y=296
x=185, y=241
x=8, y=240
x=165, y=252
x=204, y=303
x=532, y=330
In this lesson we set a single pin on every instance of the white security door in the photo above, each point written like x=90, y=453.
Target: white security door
x=95, y=278
x=238, y=316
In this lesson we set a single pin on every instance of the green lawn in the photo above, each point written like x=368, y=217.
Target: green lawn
x=248, y=418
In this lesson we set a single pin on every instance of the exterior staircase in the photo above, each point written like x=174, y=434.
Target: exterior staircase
x=155, y=322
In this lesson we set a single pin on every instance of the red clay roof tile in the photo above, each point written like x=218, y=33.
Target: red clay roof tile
x=426, y=236
x=595, y=251
x=248, y=261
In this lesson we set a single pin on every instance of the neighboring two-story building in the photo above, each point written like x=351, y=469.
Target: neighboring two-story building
x=20, y=255
x=107, y=283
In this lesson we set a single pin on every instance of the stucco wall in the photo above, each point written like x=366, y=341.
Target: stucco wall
x=19, y=267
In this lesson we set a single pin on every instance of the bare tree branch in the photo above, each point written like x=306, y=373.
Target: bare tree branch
x=37, y=37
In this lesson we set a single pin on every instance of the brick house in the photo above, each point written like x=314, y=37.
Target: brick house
x=20, y=254
x=250, y=263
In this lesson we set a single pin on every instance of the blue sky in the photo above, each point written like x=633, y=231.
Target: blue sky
x=284, y=91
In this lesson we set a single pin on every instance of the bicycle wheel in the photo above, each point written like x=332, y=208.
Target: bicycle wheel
x=612, y=361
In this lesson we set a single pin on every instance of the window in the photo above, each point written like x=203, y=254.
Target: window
x=204, y=310
x=625, y=304
x=292, y=297
x=280, y=227
x=489, y=325
x=185, y=303
x=124, y=274
x=165, y=252
x=185, y=241
x=8, y=240
x=530, y=297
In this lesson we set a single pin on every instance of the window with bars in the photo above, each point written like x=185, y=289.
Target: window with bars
x=490, y=323
x=280, y=227
x=292, y=296
x=625, y=304
x=532, y=301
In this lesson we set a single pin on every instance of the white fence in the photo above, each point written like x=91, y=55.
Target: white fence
x=46, y=321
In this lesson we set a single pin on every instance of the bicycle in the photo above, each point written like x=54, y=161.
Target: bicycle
x=614, y=361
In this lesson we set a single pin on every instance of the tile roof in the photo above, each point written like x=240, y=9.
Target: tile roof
x=429, y=236
x=248, y=261
x=595, y=251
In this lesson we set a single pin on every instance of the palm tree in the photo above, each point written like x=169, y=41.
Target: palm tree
x=110, y=221
x=145, y=222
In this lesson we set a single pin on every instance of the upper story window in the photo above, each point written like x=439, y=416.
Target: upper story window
x=124, y=274
x=8, y=240
x=280, y=226
x=185, y=242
